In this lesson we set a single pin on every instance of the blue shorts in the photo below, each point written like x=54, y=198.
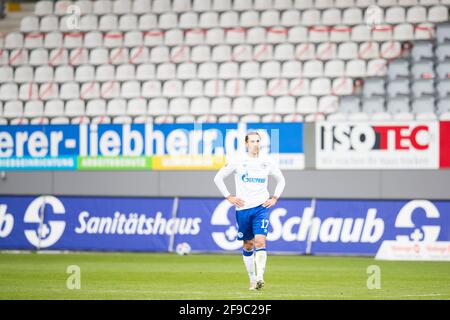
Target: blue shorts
x=252, y=221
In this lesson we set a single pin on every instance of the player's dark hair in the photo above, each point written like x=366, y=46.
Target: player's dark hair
x=250, y=133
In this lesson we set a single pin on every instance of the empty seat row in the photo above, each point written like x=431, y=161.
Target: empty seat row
x=175, y=88
x=232, y=36
x=205, y=53
x=229, y=118
x=166, y=118
x=386, y=116
x=424, y=69
x=427, y=50
x=205, y=71
x=176, y=106
x=394, y=105
x=179, y=6
x=416, y=88
x=233, y=19
x=160, y=6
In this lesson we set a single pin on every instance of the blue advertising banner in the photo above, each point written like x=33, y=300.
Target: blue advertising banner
x=142, y=146
x=83, y=223
x=396, y=228
x=361, y=226
x=218, y=229
x=345, y=227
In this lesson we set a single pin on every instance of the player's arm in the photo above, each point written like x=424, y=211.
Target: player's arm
x=224, y=172
x=281, y=183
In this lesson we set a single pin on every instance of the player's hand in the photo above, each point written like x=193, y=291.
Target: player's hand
x=236, y=201
x=270, y=202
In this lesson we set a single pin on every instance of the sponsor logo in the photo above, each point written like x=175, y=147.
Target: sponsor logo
x=246, y=178
x=6, y=221
x=136, y=224
x=365, y=137
x=227, y=239
x=365, y=230
x=422, y=243
x=404, y=220
x=48, y=233
x=368, y=229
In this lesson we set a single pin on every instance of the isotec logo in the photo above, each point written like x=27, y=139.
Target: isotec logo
x=246, y=178
x=363, y=137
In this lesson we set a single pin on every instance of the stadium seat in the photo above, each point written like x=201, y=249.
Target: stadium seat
x=54, y=108
x=48, y=91
x=443, y=32
x=29, y=24
x=147, y=21
x=438, y=14
x=423, y=70
x=422, y=49
x=349, y=104
x=14, y=40
x=381, y=116
x=398, y=87
x=443, y=105
x=13, y=109
x=23, y=74
x=193, y=88
x=19, y=121
x=307, y=104
x=423, y=105
x=443, y=70
x=33, y=109
x=122, y=6
x=200, y=106
x=158, y=106
x=360, y=116
x=416, y=14
x=43, y=8
x=373, y=105
x=398, y=105
x=9, y=91
x=443, y=51
x=398, y=68
x=53, y=40
x=7, y=74
x=228, y=70
x=422, y=87
x=374, y=86
x=221, y=105
x=242, y=106
x=443, y=88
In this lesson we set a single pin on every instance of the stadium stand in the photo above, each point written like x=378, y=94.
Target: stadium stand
x=181, y=61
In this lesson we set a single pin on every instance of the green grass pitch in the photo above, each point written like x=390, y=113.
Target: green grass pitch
x=202, y=276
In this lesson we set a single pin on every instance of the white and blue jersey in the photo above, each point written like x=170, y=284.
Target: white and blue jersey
x=251, y=178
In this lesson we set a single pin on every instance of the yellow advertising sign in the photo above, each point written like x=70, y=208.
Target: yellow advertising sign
x=187, y=162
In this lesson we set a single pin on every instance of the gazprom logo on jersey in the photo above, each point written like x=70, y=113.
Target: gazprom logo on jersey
x=246, y=178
